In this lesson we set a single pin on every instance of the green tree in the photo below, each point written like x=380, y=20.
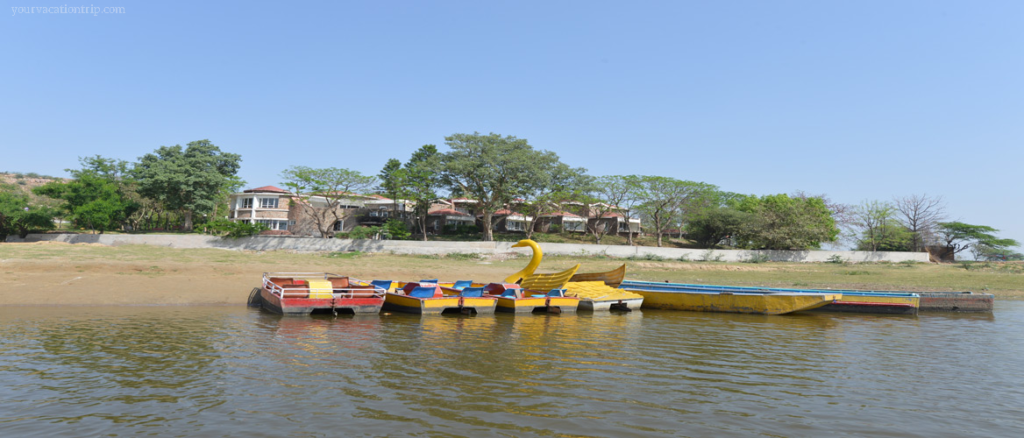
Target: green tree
x=393, y=181
x=90, y=201
x=612, y=194
x=667, y=202
x=18, y=217
x=880, y=228
x=959, y=236
x=566, y=184
x=192, y=180
x=712, y=226
x=323, y=192
x=494, y=170
x=421, y=182
x=781, y=222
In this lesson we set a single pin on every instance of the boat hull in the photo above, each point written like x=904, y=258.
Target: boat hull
x=599, y=305
x=892, y=303
x=532, y=304
x=304, y=306
x=436, y=306
x=754, y=303
x=956, y=302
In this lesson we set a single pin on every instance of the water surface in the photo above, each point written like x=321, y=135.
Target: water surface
x=228, y=371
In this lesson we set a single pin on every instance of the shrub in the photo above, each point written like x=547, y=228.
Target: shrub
x=836, y=258
x=234, y=229
x=397, y=229
x=758, y=258
x=555, y=228
x=364, y=232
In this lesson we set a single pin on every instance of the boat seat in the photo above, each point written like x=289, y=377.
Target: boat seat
x=423, y=292
x=513, y=293
x=472, y=292
x=556, y=293
x=360, y=291
x=462, y=284
x=429, y=281
x=383, y=284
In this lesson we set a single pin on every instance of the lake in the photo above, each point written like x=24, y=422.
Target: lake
x=235, y=371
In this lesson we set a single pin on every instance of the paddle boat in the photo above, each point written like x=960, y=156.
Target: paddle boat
x=893, y=303
x=729, y=300
x=304, y=293
x=596, y=291
x=514, y=298
x=428, y=297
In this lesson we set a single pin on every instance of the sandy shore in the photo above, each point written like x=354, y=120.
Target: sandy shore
x=60, y=274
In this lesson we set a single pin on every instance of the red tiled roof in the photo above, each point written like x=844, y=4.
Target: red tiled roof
x=380, y=197
x=447, y=212
x=560, y=213
x=270, y=189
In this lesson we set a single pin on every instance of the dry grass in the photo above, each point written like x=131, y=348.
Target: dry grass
x=48, y=267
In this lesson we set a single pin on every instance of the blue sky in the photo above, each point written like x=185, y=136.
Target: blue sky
x=856, y=100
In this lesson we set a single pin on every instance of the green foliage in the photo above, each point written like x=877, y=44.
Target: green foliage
x=667, y=202
x=494, y=170
x=782, y=223
x=712, y=226
x=91, y=201
x=397, y=229
x=234, y=229
x=555, y=228
x=416, y=181
x=18, y=217
x=462, y=256
x=192, y=180
x=364, y=232
x=881, y=230
x=959, y=236
x=836, y=258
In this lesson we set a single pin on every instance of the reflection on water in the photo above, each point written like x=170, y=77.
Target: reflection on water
x=220, y=371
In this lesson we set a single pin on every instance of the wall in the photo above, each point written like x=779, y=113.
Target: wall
x=309, y=244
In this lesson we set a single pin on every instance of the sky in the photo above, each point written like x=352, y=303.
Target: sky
x=859, y=101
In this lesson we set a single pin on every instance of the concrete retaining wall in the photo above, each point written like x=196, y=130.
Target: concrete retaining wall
x=309, y=244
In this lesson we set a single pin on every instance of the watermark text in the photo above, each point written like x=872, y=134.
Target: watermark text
x=65, y=9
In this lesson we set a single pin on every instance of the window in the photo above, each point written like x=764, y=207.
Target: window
x=572, y=225
x=268, y=202
x=623, y=227
x=246, y=202
x=515, y=225
x=274, y=224
x=339, y=225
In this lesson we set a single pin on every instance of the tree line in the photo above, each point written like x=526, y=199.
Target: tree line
x=174, y=186
x=166, y=189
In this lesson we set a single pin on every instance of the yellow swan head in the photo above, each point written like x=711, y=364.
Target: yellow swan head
x=534, y=261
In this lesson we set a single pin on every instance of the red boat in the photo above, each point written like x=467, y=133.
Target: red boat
x=304, y=293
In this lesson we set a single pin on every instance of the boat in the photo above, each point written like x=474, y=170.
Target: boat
x=611, y=278
x=304, y=293
x=729, y=300
x=881, y=302
x=429, y=298
x=596, y=291
x=513, y=298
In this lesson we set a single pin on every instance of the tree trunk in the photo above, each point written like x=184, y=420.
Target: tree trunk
x=659, y=239
x=629, y=230
x=488, y=232
x=423, y=226
x=188, y=221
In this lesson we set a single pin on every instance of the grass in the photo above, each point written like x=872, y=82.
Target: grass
x=1005, y=279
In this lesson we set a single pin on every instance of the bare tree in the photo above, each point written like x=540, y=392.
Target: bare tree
x=920, y=214
x=322, y=193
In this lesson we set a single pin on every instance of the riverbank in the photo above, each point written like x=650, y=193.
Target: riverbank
x=53, y=273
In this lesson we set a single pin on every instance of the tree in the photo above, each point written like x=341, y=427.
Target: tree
x=421, y=182
x=668, y=201
x=610, y=193
x=921, y=214
x=712, y=226
x=90, y=201
x=959, y=236
x=192, y=180
x=322, y=191
x=493, y=170
x=18, y=217
x=566, y=184
x=780, y=222
x=393, y=181
x=880, y=230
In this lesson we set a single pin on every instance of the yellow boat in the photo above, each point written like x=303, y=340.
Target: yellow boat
x=514, y=299
x=765, y=303
x=431, y=299
x=596, y=291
